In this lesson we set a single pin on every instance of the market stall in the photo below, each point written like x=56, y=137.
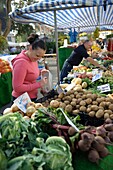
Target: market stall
x=68, y=14
x=42, y=127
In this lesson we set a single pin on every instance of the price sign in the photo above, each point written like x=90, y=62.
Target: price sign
x=70, y=86
x=22, y=101
x=104, y=88
x=97, y=76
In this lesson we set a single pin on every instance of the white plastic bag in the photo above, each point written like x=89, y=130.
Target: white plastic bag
x=48, y=85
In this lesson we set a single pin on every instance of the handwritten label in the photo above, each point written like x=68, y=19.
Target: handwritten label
x=97, y=76
x=104, y=88
x=22, y=101
x=70, y=122
x=70, y=86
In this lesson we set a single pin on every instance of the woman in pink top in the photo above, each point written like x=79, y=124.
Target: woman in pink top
x=25, y=69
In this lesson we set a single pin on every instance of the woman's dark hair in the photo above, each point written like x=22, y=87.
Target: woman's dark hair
x=32, y=37
x=34, y=40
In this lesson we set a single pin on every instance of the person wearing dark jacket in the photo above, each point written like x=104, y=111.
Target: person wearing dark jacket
x=76, y=58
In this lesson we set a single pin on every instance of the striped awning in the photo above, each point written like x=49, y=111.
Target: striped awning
x=84, y=15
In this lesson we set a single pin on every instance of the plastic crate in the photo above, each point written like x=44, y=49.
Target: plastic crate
x=47, y=96
x=93, y=121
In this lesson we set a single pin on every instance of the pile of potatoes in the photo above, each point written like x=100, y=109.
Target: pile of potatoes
x=30, y=109
x=83, y=101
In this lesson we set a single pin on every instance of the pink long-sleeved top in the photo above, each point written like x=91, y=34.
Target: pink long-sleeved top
x=25, y=72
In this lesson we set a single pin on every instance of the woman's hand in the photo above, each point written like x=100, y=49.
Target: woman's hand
x=44, y=71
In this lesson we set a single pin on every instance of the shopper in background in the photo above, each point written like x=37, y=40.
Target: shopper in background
x=26, y=71
x=76, y=57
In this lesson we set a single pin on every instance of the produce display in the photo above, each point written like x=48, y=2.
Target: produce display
x=4, y=66
x=46, y=140
x=56, y=132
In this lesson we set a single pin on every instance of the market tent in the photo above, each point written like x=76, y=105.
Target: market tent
x=80, y=14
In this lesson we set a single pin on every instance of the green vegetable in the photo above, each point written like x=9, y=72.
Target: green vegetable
x=3, y=160
x=60, y=157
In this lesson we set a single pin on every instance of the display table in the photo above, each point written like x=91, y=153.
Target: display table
x=64, y=53
x=81, y=162
x=5, y=88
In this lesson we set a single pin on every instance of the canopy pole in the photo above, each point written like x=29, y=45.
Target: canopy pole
x=57, y=53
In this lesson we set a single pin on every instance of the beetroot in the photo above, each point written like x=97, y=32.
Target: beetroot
x=101, y=140
x=101, y=131
x=97, y=146
x=108, y=120
x=109, y=127
x=83, y=146
x=110, y=135
x=105, y=152
x=93, y=156
x=87, y=137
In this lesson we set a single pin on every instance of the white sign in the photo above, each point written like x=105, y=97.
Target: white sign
x=104, y=88
x=97, y=76
x=22, y=101
x=70, y=86
x=70, y=122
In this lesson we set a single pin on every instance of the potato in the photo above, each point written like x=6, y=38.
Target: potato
x=108, y=111
x=94, y=102
x=83, y=96
x=94, y=107
x=7, y=110
x=30, y=104
x=106, y=115
x=111, y=116
x=75, y=111
x=88, y=101
x=78, y=88
x=78, y=96
x=26, y=117
x=67, y=102
x=67, y=98
x=103, y=104
x=68, y=108
x=99, y=113
x=82, y=103
x=73, y=103
x=77, y=106
x=108, y=103
x=54, y=104
x=74, y=100
x=14, y=108
x=91, y=114
x=111, y=107
x=30, y=110
x=58, y=99
x=88, y=110
x=72, y=96
x=79, y=100
x=61, y=95
x=98, y=100
x=94, y=96
x=38, y=105
x=62, y=105
x=82, y=109
x=89, y=96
